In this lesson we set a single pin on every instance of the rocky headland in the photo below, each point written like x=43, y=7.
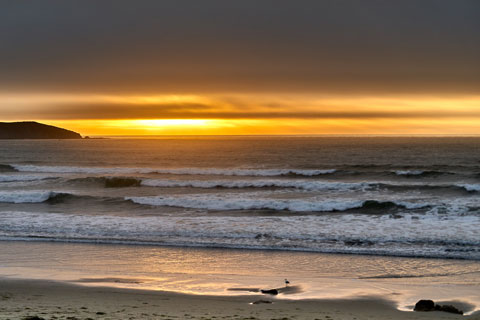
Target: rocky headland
x=34, y=130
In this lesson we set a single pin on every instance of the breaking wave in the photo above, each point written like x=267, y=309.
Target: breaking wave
x=470, y=187
x=296, y=184
x=418, y=173
x=30, y=196
x=307, y=185
x=226, y=202
x=277, y=172
x=180, y=171
x=19, y=178
x=50, y=197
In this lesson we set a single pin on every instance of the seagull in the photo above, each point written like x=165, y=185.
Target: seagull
x=287, y=283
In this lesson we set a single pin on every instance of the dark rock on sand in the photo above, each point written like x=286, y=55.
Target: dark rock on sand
x=424, y=305
x=261, y=301
x=244, y=289
x=34, y=130
x=270, y=291
x=429, y=305
x=289, y=290
x=448, y=308
x=282, y=290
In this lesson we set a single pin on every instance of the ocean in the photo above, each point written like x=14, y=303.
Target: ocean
x=382, y=196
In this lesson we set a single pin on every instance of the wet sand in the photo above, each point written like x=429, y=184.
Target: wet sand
x=55, y=300
x=215, y=272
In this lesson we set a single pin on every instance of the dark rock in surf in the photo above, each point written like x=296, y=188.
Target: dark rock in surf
x=7, y=168
x=34, y=130
x=58, y=198
x=121, y=182
x=356, y=242
x=263, y=236
x=377, y=205
x=270, y=291
x=424, y=305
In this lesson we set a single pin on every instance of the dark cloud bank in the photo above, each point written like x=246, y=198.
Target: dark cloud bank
x=240, y=46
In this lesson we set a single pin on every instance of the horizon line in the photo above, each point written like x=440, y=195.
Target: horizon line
x=294, y=135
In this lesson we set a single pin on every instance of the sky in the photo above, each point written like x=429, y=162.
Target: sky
x=242, y=67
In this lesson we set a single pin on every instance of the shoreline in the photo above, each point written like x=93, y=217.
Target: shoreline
x=234, y=275
x=232, y=248
x=53, y=299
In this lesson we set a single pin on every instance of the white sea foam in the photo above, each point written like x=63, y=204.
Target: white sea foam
x=216, y=202
x=412, y=235
x=26, y=196
x=296, y=184
x=178, y=171
x=19, y=178
x=470, y=187
x=409, y=172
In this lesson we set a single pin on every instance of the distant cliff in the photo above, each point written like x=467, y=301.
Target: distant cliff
x=34, y=130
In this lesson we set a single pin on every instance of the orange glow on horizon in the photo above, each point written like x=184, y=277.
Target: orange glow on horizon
x=267, y=127
x=243, y=114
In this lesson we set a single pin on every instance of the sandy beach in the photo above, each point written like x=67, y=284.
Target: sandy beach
x=54, y=300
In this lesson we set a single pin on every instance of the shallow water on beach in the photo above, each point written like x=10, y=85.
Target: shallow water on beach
x=234, y=272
